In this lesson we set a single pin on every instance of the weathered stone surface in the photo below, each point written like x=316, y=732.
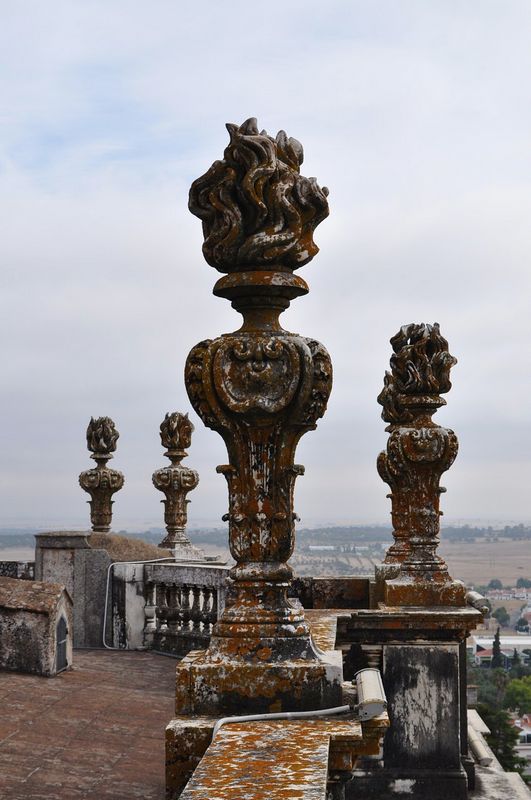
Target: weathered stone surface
x=257, y=210
x=176, y=482
x=261, y=388
x=283, y=758
x=418, y=452
x=25, y=570
x=66, y=556
x=344, y=592
x=235, y=687
x=422, y=682
x=418, y=650
x=102, y=481
x=29, y=615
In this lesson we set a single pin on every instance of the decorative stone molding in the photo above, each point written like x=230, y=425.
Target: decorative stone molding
x=176, y=482
x=261, y=388
x=418, y=452
x=101, y=482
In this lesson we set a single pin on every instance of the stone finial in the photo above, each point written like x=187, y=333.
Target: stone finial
x=418, y=452
x=257, y=210
x=176, y=431
x=420, y=367
x=261, y=388
x=101, y=482
x=102, y=436
x=176, y=482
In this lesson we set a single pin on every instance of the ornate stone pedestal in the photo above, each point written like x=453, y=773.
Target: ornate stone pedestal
x=261, y=388
x=424, y=675
x=101, y=482
x=416, y=634
x=176, y=482
x=418, y=452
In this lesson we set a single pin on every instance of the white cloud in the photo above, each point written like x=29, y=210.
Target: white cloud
x=417, y=117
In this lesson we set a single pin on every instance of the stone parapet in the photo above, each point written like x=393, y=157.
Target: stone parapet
x=421, y=655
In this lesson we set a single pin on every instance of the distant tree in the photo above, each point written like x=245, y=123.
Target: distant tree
x=491, y=684
x=497, y=658
x=518, y=695
x=503, y=737
x=515, y=660
x=522, y=624
x=495, y=583
x=523, y=583
x=502, y=615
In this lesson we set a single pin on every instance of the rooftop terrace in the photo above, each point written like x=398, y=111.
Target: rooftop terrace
x=96, y=731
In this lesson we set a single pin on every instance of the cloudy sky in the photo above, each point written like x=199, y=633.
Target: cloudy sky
x=416, y=115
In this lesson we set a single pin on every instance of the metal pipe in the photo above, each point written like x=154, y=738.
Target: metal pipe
x=149, y=561
x=476, y=600
x=323, y=712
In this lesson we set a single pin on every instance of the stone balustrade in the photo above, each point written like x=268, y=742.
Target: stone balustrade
x=24, y=570
x=182, y=604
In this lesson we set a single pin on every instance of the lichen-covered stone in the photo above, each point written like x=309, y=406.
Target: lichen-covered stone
x=29, y=615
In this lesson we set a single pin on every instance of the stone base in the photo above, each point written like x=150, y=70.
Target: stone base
x=186, y=743
x=209, y=686
x=413, y=784
x=404, y=591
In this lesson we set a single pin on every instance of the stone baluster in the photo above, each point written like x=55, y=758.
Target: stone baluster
x=196, y=611
x=150, y=613
x=162, y=609
x=101, y=482
x=174, y=609
x=418, y=452
x=185, y=607
x=209, y=608
x=176, y=482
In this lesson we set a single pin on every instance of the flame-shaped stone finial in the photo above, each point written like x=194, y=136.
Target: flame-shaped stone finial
x=258, y=211
x=101, y=482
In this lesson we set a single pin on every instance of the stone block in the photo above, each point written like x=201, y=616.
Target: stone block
x=205, y=686
x=186, y=743
x=422, y=686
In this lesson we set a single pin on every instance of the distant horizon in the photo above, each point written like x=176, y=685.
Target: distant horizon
x=135, y=526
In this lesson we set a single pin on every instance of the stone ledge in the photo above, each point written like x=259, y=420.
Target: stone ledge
x=270, y=758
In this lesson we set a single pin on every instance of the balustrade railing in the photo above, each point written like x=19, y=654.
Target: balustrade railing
x=182, y=605
x=24, y=570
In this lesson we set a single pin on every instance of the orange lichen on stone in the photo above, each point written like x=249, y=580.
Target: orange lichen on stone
x=323, y=626
x=275, y=759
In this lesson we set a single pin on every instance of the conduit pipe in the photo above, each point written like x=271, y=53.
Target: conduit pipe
x=322, y=712
x=109, y=568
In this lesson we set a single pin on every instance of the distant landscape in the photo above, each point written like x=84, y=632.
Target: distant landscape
x=476, y=555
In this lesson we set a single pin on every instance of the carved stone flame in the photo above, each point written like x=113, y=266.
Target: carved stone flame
x=102, y=435
x=420, y=366
x=176, y=431
x=256, y=208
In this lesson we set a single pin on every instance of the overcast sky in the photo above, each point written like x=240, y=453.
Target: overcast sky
x=416, y=115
